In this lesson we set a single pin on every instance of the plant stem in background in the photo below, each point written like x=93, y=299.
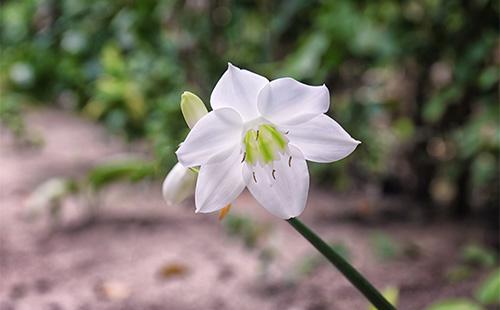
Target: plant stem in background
x=365, y=287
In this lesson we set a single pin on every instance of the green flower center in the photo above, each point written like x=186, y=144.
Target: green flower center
x=263, y=145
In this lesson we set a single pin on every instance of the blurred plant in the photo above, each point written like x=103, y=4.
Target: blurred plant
x=455, y=304
x=47, y=199
x=11, y=118
x=488, y=293
x=119, y=170
x=479, y=256
x=246, y=229
x=474, y=257
x=385, y=247
x=255, y=236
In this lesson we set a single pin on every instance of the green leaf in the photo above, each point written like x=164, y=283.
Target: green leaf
x=455, y=304
x=489, y=292
x=130, y=170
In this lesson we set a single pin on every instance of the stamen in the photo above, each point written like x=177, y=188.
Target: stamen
x=287, y=132
x=290, y=162
x=244, y=156
x=257, y=135
x=254, y=178
x=274, y=171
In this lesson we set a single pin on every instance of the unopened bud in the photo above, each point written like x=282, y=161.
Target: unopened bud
x=192, y=108
x=179, y=184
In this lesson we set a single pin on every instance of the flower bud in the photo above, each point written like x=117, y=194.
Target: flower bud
x=192, y=108
x=179, y=184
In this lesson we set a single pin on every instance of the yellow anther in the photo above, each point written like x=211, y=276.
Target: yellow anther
x=224, y=211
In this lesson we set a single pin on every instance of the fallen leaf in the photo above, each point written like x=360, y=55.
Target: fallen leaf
x=171, y=270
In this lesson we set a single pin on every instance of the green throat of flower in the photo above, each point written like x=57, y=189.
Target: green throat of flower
x=263, y=145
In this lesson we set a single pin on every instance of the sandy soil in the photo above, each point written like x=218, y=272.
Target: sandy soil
x=142, y=254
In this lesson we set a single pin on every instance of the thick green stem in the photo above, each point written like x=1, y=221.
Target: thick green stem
x=370, y=292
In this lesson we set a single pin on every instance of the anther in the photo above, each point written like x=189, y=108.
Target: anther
x=286, y=132
x=244, y=156
x=257, y=135
x=290, y=162
x=254, y=178
x=274, y=171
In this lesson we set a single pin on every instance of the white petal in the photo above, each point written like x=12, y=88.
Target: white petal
x=238, y=89
x=321, y=139
x=288, y=102
x=219, y=184
x=285, y=194
x=179, y=184
x=212, y=139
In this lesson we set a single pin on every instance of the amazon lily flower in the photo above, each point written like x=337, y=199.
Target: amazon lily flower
x=180, y=181
x=259, y=135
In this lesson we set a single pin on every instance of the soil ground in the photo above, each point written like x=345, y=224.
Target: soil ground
x=141, y=254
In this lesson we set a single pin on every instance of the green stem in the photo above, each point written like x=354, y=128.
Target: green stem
x=370, y=292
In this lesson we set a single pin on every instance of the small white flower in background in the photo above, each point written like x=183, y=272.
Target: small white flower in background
x=180, y=181
x=47, y=198
x=259, y=135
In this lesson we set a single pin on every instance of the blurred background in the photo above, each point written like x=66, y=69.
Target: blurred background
x=90, y=116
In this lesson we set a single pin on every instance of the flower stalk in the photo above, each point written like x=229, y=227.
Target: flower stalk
x=356, y=279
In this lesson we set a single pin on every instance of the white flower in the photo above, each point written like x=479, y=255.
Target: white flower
x=178, y=185
x=180, y=181
x=259, y=135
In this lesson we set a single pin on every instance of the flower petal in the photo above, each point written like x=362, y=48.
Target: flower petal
x=219, y=184
x=286, y=101
x=238, y=89
x=321, y=139
x=178, y=185
x=284, y=191
x=212, y=138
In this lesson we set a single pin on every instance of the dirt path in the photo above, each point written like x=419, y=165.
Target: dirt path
x=141, y=254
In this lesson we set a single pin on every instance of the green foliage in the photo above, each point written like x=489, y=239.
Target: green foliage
x=489, y=292
x=128, y=170
x=384, y=246
x=455, y=304
x=245, y=228
x=477, y=255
